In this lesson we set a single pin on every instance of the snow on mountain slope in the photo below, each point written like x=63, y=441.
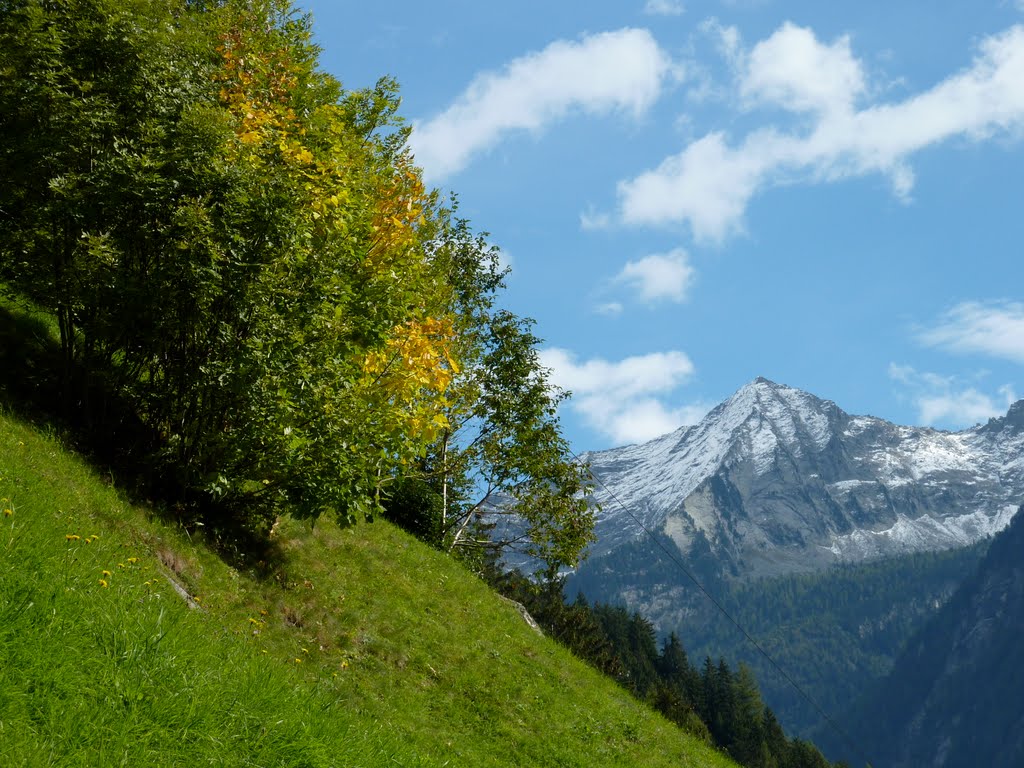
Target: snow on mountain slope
x=652, y=478
x=777, y=480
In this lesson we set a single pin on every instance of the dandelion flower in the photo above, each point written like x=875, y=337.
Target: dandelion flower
x=133, y=560
x=72, y=537
x=298, y=661
x=8, y=512
x=107, y=574
x=305, y=650
x=103, y=583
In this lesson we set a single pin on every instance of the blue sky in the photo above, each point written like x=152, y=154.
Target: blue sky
x=694, y=194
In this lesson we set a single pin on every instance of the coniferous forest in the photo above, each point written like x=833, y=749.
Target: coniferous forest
x=835, y=632
x=712, y=700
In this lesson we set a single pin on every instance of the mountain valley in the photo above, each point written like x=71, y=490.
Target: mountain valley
x=832, y=538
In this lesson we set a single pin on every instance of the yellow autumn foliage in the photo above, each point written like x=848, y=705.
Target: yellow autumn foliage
x=411, y=373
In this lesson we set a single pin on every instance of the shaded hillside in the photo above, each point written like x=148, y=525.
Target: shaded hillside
x=357, y=646
x=834, y=631
x=955, y=698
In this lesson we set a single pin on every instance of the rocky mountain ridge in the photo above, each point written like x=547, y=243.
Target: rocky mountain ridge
x=775, y=480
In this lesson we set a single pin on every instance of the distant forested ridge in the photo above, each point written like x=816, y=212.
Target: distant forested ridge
x=834, y=631
x=955, y=697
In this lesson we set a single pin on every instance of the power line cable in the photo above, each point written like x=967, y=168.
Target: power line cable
x=750, y=638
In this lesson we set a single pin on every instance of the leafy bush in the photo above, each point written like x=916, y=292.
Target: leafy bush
x=244, y=254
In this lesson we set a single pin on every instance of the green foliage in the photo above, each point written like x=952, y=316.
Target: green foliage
x=160, y=208
x=414, y=504
x=243, y=253
x=517, y=453
x=507, y=479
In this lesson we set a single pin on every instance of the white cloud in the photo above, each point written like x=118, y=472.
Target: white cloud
x=726, y=40
x=659, y=276
x=642, y=420
x=630, y=377
x=965, y=407
x=622, y=399
x=947, y=400
x=995, y=328
x=792, y=70
x=710, y=183
x=613, y=71
x=664, y=8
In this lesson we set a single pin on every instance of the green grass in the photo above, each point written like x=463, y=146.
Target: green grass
x=352, y=647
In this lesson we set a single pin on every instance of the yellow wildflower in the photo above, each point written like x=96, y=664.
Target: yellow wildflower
x=107, y=574
x=72, y=537
x=103, y=583
x=8, y=512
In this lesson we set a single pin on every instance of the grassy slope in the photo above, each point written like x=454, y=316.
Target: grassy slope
x=363, y=647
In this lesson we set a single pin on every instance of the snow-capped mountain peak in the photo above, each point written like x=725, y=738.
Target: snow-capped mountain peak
x=764, y=415
x=782, y=480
